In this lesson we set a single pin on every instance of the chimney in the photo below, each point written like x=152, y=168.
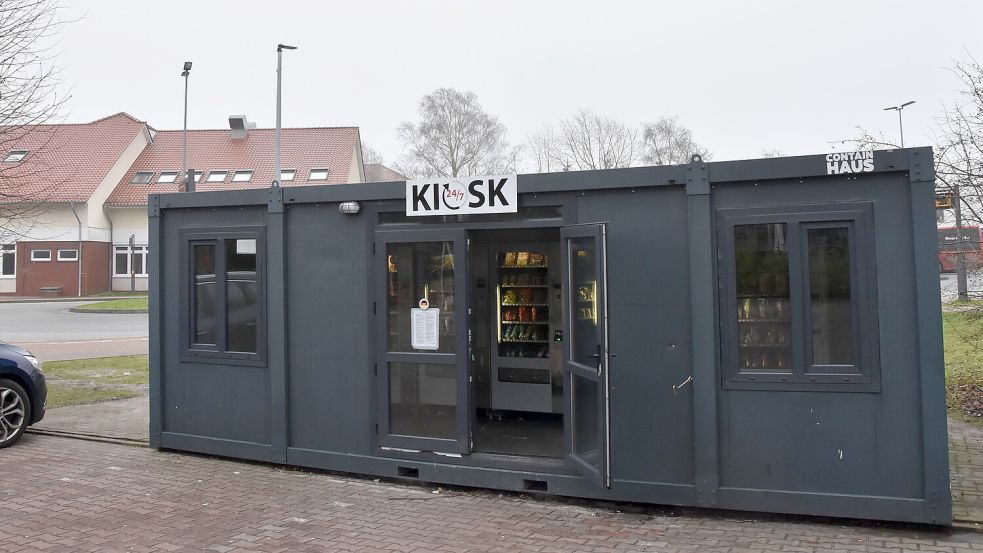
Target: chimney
x=240, y=126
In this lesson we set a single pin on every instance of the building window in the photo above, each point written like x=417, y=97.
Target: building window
x=217, y=176
x=242, y=176
x=287, y=174
x=318, y=174
x=142, y=177
x=8, y=260
x=40, y=255
x=167, y=177
x=798, y=298
x=225, y=293
x=124, y=259
x=68, y=255
x=15, y=155
x=198, y=175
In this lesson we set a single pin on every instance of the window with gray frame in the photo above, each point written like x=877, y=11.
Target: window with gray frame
x=224, y=296
x=8, y=260
x=798, y=298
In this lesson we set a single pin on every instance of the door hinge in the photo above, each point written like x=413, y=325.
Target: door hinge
x=373, y=247
x=375, y=369
x=373, y=308
x=376, y=428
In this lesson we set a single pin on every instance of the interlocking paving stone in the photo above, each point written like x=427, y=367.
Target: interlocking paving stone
x=63, y=494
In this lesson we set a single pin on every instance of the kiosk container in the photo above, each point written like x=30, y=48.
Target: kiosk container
x=761, y=335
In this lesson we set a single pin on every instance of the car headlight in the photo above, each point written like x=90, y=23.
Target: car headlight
x=33, y=361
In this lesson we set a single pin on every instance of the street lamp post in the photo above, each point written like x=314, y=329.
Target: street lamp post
x=900, y=125
x=188, y=183
x=279, y=74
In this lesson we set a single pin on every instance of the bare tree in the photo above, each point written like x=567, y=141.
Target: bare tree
x=28, y=103
x=370, y=155
x=543, y=151
x=590, y=141
x=959, y=145
x=668, y=142
x=453, y=137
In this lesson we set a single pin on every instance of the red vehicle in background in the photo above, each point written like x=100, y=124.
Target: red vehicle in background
x=955, y=242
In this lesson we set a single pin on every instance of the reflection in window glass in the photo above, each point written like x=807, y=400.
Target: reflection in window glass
x=204, y=295
x=423, y=400
x=587, y=417
x=829, y=294
x=241, y=295
x=764, y=327
x=584, y=341
x=418, y=270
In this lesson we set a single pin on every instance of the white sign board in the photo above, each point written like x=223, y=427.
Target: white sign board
x=462, y=196
x=424, y=331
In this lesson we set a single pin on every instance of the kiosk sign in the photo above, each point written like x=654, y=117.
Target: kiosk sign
x=462, y=196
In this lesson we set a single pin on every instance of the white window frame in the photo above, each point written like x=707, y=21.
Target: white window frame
x=150, y=177
x=125, y=249
x=310, y=176
x=224, y=173
x=198, y=175
x=62, y=257
x=13, y=156
x=5, y=249
x=284, y=172
x=35, y=259
x=167, y=177
x=247, y=173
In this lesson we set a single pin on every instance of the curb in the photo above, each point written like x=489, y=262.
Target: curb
x=4, y=300
x=82, y=309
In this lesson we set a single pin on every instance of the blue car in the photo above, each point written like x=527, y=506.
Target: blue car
x=23, y=393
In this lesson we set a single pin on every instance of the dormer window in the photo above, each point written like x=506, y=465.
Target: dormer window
x=217, y=176
x=318, y=174
x=142, y=177
x=167, y=177
x=242, y=176
x=14, y=156
x=287, y=174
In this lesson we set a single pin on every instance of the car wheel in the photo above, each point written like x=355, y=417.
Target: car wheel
x=15, y=412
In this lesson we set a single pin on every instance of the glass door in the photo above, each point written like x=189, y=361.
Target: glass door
x=421, y=311
x=586, y=351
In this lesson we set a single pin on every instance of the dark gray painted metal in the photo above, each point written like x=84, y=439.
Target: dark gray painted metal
x=703, y=310
x=276, y=267
x=760, y=450
x=155, y=223
x=929, y=323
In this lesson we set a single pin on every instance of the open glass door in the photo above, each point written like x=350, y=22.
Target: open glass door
x=586, y=352
x=421, y=312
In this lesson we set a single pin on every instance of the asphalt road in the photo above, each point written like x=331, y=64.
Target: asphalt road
x=52, y=332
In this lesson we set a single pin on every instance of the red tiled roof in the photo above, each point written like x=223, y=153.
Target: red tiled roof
x=302, y=149
x=65, y=162
x=377, y=172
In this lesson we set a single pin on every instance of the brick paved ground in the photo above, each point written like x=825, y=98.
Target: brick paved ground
x=966, y=466
x=62, y=494
x=125, y=419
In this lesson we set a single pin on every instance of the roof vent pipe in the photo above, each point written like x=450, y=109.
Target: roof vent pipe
x=240, y=126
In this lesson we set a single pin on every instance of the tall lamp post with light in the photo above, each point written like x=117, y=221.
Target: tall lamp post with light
x=279, y=74
x=189, y=185
x=900, y=124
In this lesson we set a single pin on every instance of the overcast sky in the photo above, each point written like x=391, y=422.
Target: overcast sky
x=744, y=76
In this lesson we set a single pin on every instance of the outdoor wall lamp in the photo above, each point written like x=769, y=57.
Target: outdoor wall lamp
x=349, y=208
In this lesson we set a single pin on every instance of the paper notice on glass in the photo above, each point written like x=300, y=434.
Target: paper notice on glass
x=425, y=323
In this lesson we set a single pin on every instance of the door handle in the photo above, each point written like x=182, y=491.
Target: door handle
x=677, y=387
x=598, y=357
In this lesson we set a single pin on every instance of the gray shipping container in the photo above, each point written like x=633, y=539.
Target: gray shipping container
x=760, y=335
